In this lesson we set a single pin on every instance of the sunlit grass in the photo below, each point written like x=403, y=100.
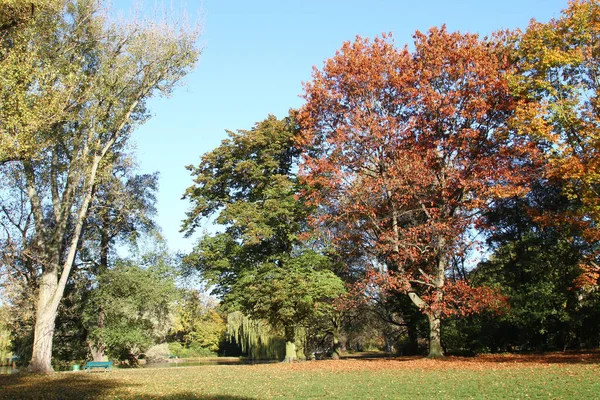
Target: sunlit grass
x=480, y=378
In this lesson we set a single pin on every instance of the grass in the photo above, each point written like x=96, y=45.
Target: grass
x=517, y=377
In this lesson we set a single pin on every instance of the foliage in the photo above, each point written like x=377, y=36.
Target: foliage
x=536, y=266
x=158, y=353
x=5, y=343
x=137, y=305
x=193, y=350
x=557, y=74
x=94, y=79
x=257, y=339
x=405, y=150
x=25, y=112
x=198, y=326
x=258, y=264
x=287, y=296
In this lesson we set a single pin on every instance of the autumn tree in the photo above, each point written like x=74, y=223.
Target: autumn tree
x=198, y=324
x=258, y=263
x=405, y=150
x=557, y=72
x=105, y=74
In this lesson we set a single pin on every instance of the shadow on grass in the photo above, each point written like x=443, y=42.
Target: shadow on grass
x=55, y=386
x=65, y=386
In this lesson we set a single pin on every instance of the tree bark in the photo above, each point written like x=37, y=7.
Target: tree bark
x=435, y=343
x=290, y=346
x=335, y=354
x=97, y=349
x=336, y=351
x=41, y=360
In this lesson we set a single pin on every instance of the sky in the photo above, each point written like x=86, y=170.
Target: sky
x=257, y=53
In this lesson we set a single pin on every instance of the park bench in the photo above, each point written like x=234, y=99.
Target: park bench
x=98, y=364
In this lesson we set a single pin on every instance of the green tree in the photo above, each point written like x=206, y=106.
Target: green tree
x=137, y=302
x=108, y=73
x=258, y=263
x=121, y=212
x=536, y=267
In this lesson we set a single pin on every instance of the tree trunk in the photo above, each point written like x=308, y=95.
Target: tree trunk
x=97, y=349
x=335, y=354
x=435, y=343
x=290, y=346
x=41, y=359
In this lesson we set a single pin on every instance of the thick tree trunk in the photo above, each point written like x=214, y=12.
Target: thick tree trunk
x=97, y=350
x=435, y=343
x=290, y=346
x=41, y=359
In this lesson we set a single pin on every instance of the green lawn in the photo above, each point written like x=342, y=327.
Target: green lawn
x=346, y=379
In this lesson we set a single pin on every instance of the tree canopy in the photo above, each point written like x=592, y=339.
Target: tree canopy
x=258, y=264
x=411, y=147
x=98, y=76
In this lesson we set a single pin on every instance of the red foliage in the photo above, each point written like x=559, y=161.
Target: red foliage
x=405, y=151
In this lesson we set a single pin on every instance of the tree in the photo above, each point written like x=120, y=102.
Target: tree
x=30, y=99
x=558, y=74
x=110, y=72
x=14, y=13
x=405, y=150
x=4, y=334
x=258, y=264
x=536, y=266
x=122, y=210
x=198, y=323
x=137, y=303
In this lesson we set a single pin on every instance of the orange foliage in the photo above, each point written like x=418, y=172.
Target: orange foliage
x=405, y=150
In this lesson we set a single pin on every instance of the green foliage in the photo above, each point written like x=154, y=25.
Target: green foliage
x=258, y=264
x=136, y=304
x=287, y=295
x=257, y=339
x=536, y=267
x=198, y=326
x=193, y=350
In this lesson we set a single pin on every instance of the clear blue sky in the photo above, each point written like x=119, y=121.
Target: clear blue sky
x=256, y=55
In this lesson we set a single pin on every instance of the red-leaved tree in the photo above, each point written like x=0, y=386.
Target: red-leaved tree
x=405, y=151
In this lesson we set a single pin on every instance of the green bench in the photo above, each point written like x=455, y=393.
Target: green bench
x=98, y=364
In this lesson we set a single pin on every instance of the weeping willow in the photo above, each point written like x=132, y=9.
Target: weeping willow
x=258, y=339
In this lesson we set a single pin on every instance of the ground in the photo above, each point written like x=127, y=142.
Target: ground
x=550, y=376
